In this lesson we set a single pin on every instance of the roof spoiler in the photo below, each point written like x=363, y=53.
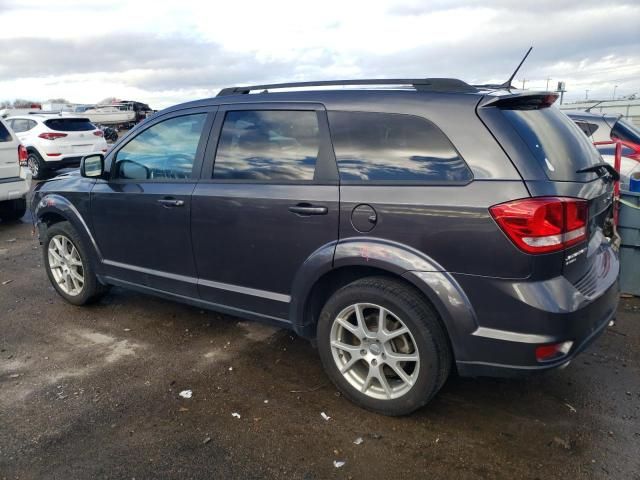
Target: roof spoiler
x=520, y=101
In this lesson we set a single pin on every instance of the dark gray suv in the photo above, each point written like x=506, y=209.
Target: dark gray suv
x=408, y=231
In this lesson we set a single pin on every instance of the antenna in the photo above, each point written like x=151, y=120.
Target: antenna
x=507, y=84
x=594, y=105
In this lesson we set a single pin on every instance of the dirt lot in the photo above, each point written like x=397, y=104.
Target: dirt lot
x=94, y=393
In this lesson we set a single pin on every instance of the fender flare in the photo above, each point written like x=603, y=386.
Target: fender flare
x=439, y=286
x=54, y=203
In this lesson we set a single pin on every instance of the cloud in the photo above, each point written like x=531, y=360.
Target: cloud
x=183, y=51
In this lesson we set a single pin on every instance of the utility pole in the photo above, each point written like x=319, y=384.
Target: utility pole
x=586, y=94
x=548, y=79
x=615, y=87
x=523, y=82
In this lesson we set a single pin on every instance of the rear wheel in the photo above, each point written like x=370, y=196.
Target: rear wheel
x=12, y=210
x=68, y=265
x=383, y=346
x=36, y=165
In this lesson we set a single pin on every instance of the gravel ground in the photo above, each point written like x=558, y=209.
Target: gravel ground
x=93, y=392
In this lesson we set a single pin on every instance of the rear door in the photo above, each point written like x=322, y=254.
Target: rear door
x=142, y=214
x=267, y=200
x=9, y=166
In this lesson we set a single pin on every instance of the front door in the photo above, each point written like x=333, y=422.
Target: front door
x=267, y=202
x=141, y=216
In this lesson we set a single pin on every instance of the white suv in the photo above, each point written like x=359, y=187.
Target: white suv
x=56, y=140
x=15, y=177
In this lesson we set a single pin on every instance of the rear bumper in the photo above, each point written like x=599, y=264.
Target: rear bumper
x=512, y=318
x=63, y=162
x=15, y=187
x=509, y=358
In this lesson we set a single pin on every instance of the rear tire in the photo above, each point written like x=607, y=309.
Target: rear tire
x=12, y=210
x=393, y=370
x=37, y=166
x=69, y=266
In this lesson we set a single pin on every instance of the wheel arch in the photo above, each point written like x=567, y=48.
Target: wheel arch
x=361, y=258
x=54, y=208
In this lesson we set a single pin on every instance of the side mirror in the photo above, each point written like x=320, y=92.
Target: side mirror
x=92, y=166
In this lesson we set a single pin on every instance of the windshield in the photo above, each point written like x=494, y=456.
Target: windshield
x=626, y=131
x=556, y=142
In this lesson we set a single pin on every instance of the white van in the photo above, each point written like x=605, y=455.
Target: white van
x=15, y=176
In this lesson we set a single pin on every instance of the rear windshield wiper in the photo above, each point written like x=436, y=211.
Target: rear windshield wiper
x=600, y=169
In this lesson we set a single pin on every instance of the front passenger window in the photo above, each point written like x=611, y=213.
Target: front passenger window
x=165, y=151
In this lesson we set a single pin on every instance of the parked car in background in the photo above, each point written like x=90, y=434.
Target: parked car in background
x=601, y=127
x=55, y=141
x=408, y=231
x=15, y=177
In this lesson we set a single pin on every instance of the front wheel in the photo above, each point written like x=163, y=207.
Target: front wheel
x=68, y=267
x=383, y=346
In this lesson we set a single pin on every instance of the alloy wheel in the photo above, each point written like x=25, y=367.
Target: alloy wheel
x=33, y=164
x=374, y=351
x=66, y=265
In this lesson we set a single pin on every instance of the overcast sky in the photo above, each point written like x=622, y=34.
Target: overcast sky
x=165, y=52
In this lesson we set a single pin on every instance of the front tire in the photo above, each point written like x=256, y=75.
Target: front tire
x=383, y=346
x=68, y=265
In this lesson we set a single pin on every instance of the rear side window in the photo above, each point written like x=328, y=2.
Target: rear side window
x=70, y=124
x=556, y=142
x=382, y=147
x=588, y=128
x=5, y=136
x=626, y=131
x=268, y=146
x=20, y=125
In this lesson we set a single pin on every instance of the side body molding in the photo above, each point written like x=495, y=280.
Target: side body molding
x=414, y=266
x=60, y=205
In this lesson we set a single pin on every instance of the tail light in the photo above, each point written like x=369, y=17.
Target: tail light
x=98, y=133
x=51, y=135
x=22, y=156
x=543, y=224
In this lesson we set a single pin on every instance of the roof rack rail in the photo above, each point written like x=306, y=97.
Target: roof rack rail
x=420, y=84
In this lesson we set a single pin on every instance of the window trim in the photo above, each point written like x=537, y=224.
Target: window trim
x=209, y=111
x=326, y=169
x=409, y=183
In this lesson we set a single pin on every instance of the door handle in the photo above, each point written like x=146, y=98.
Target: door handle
x=307, y=209
x=171, y=202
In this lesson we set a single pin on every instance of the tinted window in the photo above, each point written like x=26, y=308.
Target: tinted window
x=70, y=124
x=5, y=136
x=626, y=131
x=392, y=147
x=268, y=145
x=556, y=142
x=164, y=151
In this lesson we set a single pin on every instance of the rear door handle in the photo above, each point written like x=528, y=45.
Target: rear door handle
x=307, y=209
x=171, y=202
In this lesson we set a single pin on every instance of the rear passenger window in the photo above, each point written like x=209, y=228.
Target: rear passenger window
x=394, y=148
x=5, y=136
x=268, y=146
x=20, y=125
